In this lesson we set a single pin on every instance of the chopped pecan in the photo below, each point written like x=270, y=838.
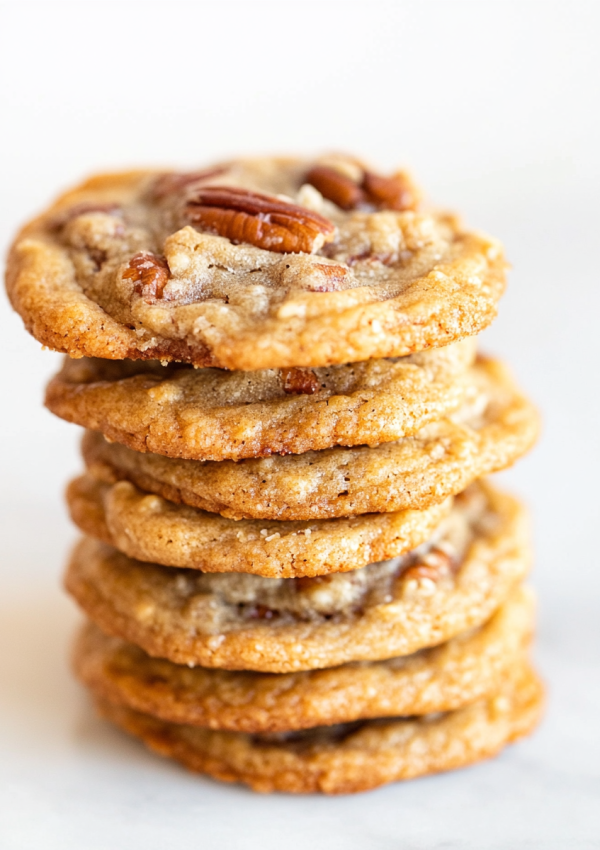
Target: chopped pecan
x=299, y=381
x=261, y=612
x=169, y=184
x=98, y=257
x=150, y=275
x=435, y=565
x=327, y=278
x=304, y=739
x=308, y=582
x=421, y=571
x=389, y=193
x=262, y=220
x=372, y=259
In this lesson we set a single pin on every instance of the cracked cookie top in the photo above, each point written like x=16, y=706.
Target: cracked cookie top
x=252, y=264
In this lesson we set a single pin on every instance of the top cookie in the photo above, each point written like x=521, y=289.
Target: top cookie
x=251, y=264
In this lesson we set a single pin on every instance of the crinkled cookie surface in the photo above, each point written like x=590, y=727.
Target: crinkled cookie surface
x=149, y=528
x=492, y=430
x=347, y=758
x=452, y=583
x=213, y=414
x=252, y=264
x=466, y=668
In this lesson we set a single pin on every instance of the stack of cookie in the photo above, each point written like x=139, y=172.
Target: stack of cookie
x=294, y=573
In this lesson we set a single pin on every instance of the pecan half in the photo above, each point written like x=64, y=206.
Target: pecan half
x=374, y=190
x=150, y=275
x=262, y=220
x=299, y=381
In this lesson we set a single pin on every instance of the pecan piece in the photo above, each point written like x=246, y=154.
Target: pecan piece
x=435, y=565
x=336, y=187
x=299, y=381
x=261, y=612
x=150, y=275
x=308, y=582
x=98, y=257
x=367, y=257
x=327, y=278
x=169, y=184
x=262, y=220
x=390, y=193
x=419, y=572
x=374, y=190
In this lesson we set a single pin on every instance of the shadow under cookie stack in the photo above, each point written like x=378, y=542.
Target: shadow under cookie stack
x=295, y=573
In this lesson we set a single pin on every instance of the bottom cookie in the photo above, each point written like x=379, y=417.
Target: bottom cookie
x=349, y=757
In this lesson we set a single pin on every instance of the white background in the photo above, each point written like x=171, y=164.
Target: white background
x=494, y=105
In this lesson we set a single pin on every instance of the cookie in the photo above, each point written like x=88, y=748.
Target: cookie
x=351, y=757
x=150, y=528
x=251, y=264
x=466, y=668
x=211, y=414
x=492, y=431
x=453, y=583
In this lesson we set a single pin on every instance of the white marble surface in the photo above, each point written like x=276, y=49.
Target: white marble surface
x=502, y=123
